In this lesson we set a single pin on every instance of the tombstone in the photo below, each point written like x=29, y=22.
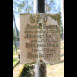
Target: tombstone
x=39, y=38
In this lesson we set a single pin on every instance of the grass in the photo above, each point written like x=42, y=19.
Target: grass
x=15, y=58
x=14, y=61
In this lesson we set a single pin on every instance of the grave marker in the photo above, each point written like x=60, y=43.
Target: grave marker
x=39, y=38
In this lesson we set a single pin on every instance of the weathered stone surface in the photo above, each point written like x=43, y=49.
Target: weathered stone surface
x=39, y=38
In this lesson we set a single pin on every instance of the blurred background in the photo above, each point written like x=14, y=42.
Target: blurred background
x=26, y=6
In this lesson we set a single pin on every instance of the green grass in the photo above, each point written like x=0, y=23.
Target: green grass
x=15, y=58
x=14, y=52
x=14, y=61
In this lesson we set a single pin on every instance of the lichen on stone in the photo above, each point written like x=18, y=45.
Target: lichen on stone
x=55, y=17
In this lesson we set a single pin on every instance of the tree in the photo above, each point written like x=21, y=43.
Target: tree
x=22, y=6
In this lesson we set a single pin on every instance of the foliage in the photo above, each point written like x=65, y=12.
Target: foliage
x=21, y=6
x=13, y=32
x=27, y=71
x=14, y=53
x=26, y=65
x=13, y=46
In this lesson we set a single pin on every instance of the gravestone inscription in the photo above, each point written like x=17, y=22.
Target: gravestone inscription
x=39, y=38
